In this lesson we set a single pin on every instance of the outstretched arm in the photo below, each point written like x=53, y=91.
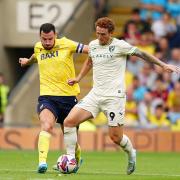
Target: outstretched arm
x=85, y=69
x=27, y=61
x=152, y=59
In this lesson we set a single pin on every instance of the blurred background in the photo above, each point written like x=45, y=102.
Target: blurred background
x=153, y=96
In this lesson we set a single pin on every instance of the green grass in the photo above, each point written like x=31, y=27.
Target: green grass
x=22, y=165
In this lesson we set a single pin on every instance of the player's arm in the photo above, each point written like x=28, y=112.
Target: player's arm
x=84, y=70
x=81, y=48
x=152, y=59
x=85, y=49
x=27, y=61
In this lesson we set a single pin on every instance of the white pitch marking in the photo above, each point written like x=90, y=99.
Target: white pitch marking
x=99, y=172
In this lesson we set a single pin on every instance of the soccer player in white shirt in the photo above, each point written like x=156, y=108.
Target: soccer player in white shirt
x=107, y=57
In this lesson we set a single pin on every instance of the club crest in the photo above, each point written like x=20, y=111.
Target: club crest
x=111, y=48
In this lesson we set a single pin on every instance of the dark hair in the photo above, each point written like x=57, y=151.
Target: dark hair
x=47, y=27
x=159, y=106
x=135, y=11
x=135, y=78
x=106, y=23
x=159, y=77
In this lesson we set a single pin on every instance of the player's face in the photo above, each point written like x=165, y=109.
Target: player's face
x=103, y=35
x=48, y=39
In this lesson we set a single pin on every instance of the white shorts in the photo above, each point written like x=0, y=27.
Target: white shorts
x=113, y=107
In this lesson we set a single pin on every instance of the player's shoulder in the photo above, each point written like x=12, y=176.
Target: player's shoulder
x=94, y=43
x=65, y=41
x=61, y=40
x=118, y=41
x=38, y=45
x=114, y=42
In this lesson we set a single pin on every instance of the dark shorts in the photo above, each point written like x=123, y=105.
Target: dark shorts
x=60, y=106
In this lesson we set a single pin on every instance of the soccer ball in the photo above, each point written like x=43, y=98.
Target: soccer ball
x=66, y=164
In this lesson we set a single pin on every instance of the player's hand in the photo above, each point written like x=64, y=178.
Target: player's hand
x=23, y=61
x=171, y=68
x=71, y=82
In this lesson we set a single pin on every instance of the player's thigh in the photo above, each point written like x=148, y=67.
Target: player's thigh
x=46, y=110
x=114, y=109
x=76, y=116
x=64, y=104
x=90, y=103
x=47, y=118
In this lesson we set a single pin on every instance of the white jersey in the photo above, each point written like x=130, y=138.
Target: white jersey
x=109, y=64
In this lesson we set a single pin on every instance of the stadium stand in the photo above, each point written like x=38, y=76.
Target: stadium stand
x=21, y=109
x=121, y=13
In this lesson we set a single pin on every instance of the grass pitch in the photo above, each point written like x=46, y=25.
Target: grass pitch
x=22, y=165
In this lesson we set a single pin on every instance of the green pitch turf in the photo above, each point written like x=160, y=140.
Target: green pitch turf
x=22, y=165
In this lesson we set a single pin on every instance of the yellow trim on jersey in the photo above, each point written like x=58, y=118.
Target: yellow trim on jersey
x=56, y=66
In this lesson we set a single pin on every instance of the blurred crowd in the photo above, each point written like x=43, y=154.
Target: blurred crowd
x=153, y=96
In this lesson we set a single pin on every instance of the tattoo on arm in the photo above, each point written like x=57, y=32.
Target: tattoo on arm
x=148, y=57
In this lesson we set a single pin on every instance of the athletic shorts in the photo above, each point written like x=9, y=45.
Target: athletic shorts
x=60, y=106
x=113, y=107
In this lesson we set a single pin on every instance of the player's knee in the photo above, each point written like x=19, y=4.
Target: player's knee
x=116, y=138
x=68, y=122
x=47, y=127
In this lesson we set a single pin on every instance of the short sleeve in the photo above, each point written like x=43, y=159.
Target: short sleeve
x=75, y=46
x=126, y=48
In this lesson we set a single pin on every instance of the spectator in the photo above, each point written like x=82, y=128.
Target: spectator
x=131, y=33
x=134, y=65
x=163, y=47
x=167, y=81
x=175, y=56
x=128, y=78
x=100, y=8
x=176, y=127
x=152, y=9
x=159, y=117
x=164, y=27
x=139, y=90
x=159, y=89
x=147, y=43
x=4, y=91
x=142, y=25
x=144, y=110
x=131, y=109
x=147, y=76
x=175, y=59
x=173, y=103
x=159, y=55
